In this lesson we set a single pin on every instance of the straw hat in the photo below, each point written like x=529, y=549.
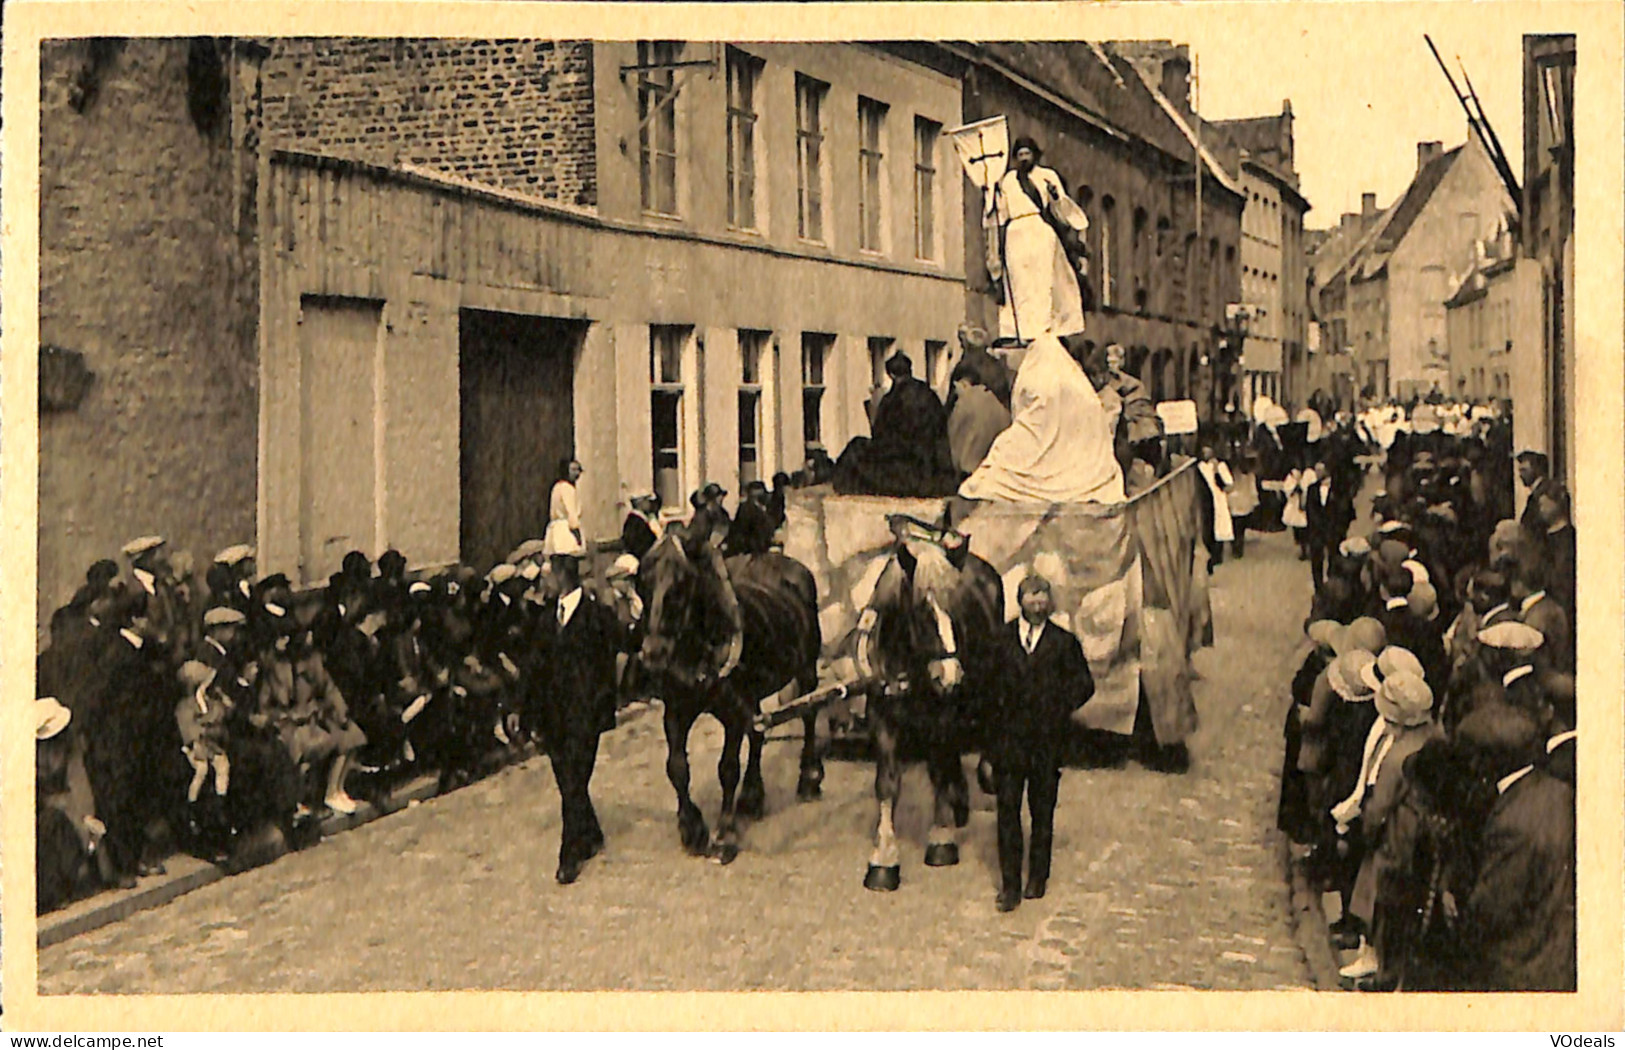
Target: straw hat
x=50, y=717
x=1406, y=699
x=1391, y=661
x=1347, y=675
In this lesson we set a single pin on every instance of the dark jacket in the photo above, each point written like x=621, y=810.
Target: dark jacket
x=1520, y=912
x=1560, y=568
x=573, y=691
x=751, y=532
x=637, y=537
x=1039, y=692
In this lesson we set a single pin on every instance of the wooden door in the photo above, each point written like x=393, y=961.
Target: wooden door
x=338, y=346
x=518, y=421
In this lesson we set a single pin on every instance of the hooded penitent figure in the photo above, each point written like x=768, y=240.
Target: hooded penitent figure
x=1058, y=448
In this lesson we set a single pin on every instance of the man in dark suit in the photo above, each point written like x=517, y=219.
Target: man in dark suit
x=1329, y=515
x=1533, y=471
x=753, y=524
x=572, y=702
x=1045, y=679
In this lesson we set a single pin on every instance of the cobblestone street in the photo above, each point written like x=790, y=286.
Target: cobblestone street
x=1160, y=881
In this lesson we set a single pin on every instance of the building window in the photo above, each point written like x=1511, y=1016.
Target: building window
x=871, y=166
x=815, y=348
x=752, y=352
x=657, y=117
x=936, y=365
x=810, y=157
x=744, y=71
x=667, y=423
x=926, y=133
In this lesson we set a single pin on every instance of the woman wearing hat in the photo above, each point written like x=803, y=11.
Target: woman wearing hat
x=1034, y=281
x=65, y=841
x=1334, y=726
x=1405, y=704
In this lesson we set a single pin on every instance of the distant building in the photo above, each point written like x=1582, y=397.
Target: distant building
x=1486, y=318
x=1332, y=364
x=1543, y=379
x=1273, y=281
x=1399, y=276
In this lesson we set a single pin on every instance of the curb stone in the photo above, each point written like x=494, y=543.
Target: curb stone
x=186, y=873
x=1309, y=926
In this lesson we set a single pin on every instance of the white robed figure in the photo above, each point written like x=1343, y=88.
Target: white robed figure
x=1025, y=257
x=1058, y=447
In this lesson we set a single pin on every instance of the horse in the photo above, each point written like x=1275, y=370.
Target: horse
x=719, y=636
x=925, y=651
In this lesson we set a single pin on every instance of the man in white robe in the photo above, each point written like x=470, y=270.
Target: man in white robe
x=1058, y=448
x=1035, y=282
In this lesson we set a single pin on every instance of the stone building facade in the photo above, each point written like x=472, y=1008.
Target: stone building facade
x=1545, y=379
x=1399, y=277
x=393, y=341
x=1274, y=357
x=514, y=114
x=1121, y=137
x=149, y=290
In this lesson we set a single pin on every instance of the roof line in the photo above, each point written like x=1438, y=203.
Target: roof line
x=1219, y=174
x=1053, y=98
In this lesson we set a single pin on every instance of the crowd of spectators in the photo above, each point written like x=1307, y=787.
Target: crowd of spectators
x=225, y=717
x=1429, y=749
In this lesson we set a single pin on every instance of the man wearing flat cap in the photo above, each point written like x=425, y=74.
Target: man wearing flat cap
x=150, y=572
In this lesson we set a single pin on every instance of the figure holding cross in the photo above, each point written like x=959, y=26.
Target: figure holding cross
x=1030, y=224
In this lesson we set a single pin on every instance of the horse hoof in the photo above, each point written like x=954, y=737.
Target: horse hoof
x=885, y=879
x=725, y=853
x=942, y=855
x=809, y=791
x=696, y=839
x=961, y=814
x=752, y=806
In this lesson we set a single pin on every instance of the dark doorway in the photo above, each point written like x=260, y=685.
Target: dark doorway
x=516, y=380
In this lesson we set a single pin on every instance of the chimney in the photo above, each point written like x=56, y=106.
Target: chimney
x=1427, y=152
x=1368, y=205
x=1176, y=77
x=1348, y=221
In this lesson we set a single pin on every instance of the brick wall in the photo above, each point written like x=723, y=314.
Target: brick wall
x=512, y=113
x=144, y=271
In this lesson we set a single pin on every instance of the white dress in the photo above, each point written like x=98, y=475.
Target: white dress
x=563, y=534
x=1218, y=478
x=1058, y=447
x=1040, y=287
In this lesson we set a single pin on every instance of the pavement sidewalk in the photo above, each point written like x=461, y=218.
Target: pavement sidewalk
x=184, y=873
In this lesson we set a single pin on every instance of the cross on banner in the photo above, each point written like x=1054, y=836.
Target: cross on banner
x=982, y=148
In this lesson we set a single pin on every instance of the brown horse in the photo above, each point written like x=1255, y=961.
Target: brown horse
x=718, y=637
x=925, y=649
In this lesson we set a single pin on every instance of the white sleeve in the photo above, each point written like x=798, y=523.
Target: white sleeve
x=1063, y=207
